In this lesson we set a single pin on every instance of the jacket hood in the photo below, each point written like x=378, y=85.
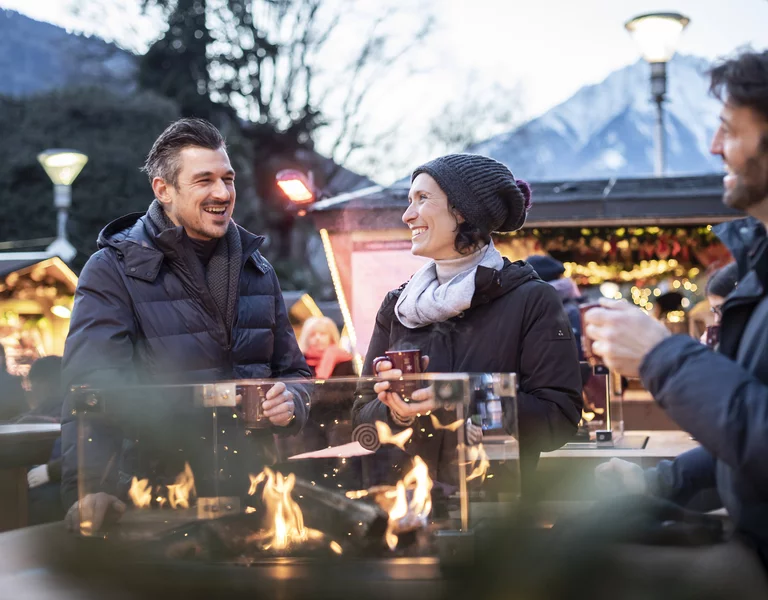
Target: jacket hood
x=117, y=231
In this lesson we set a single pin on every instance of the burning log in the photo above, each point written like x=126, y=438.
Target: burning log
x=296, y=518
x=339, y=516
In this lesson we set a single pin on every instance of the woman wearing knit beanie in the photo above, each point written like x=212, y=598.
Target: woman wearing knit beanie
x=471, y=310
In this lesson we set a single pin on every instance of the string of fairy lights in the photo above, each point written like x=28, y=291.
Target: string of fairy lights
x=641, y=264
x=650, y=280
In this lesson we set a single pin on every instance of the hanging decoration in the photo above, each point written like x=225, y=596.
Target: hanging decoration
x=593, y=255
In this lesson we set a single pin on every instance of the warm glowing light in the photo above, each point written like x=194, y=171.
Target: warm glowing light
x=340, y=296
x=62, y=166
x=296, y=191
x=405, y=515
x=450, y=427
x=180, y=491
x=295, y=185
x=657, y=35
x=387, y=437
x=479, y=462
x=61, y=311
x=284, y=520
x=335, y=547
x=140, y=493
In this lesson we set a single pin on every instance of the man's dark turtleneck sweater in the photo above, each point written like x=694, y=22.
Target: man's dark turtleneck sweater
x=204, y=248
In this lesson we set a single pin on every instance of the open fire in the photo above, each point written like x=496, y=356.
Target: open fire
x=407, y=514
x=284, y=521
x=178, y=494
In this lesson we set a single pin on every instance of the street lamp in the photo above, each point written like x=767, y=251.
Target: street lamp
x=63, y=167
x=657, y=34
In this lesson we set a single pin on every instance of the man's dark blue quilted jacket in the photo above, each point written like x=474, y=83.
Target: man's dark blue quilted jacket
x=142, y=315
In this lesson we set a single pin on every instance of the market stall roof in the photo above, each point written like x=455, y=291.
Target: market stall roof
x=8, y=266
x=24, y=263
x=667, y=200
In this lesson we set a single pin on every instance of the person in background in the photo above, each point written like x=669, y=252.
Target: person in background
x=45, y=398
x=329, y=415
x=551, y=270
x=721, y=283
x=319, y=341
x=45, y=395
x=12, y=402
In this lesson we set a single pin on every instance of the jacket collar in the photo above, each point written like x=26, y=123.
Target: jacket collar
x=746, y=240
x=490, y=283
x=742, y=237
x=143, y=248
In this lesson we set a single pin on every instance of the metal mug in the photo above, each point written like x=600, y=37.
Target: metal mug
x=252, y=398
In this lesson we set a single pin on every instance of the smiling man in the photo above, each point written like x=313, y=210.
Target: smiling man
x=180, y=294
x=719, y=397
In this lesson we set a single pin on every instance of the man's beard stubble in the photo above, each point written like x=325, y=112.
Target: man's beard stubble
x=751, y=186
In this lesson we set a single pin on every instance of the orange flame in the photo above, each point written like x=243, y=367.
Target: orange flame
x=405, y=514
x=357, y=494
x=479, y=461
x=450, y=427
x=387, y=437
x=284, y=518
x=180, y=491
x=140, y=493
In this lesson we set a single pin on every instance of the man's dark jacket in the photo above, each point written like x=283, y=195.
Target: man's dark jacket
x=515, y=324
x=721, y=398
x=143, y=314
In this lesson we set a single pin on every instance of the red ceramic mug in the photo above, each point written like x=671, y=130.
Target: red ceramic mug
x=408, y=362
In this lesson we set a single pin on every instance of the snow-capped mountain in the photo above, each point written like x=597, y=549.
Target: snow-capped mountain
x=606, y=130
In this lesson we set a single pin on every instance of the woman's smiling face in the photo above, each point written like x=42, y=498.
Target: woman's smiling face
x=432, y=223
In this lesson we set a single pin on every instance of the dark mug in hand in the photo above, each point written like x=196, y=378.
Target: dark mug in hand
x=586, y=341
x=408, y=362
x=713, y=336
x=252, y=398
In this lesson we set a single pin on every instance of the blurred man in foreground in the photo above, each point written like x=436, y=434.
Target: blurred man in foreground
x=720, y=398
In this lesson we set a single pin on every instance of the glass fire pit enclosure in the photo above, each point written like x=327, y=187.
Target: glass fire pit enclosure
x=206, y=476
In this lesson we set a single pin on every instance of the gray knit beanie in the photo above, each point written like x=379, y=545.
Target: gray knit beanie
x=483, y=190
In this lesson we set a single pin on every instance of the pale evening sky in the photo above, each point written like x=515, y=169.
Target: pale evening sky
x=549, y=48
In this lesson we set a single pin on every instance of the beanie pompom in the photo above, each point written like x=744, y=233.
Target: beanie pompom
x=525, y=188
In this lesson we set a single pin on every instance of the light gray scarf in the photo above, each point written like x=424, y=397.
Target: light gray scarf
x=443, y=289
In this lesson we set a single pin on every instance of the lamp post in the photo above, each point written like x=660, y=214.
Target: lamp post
x=657, y=34
x=63, y=167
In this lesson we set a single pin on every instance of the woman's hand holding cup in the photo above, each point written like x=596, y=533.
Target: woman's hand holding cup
x=422, y=400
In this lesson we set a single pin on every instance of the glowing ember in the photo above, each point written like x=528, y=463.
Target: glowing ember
x=387, y=437
x=140, y=493
x=180, y=491
x=479, y=461
x=335, y=547
x=357, y=494
x=284, y=519
x=406, y=515
x=450, y=427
